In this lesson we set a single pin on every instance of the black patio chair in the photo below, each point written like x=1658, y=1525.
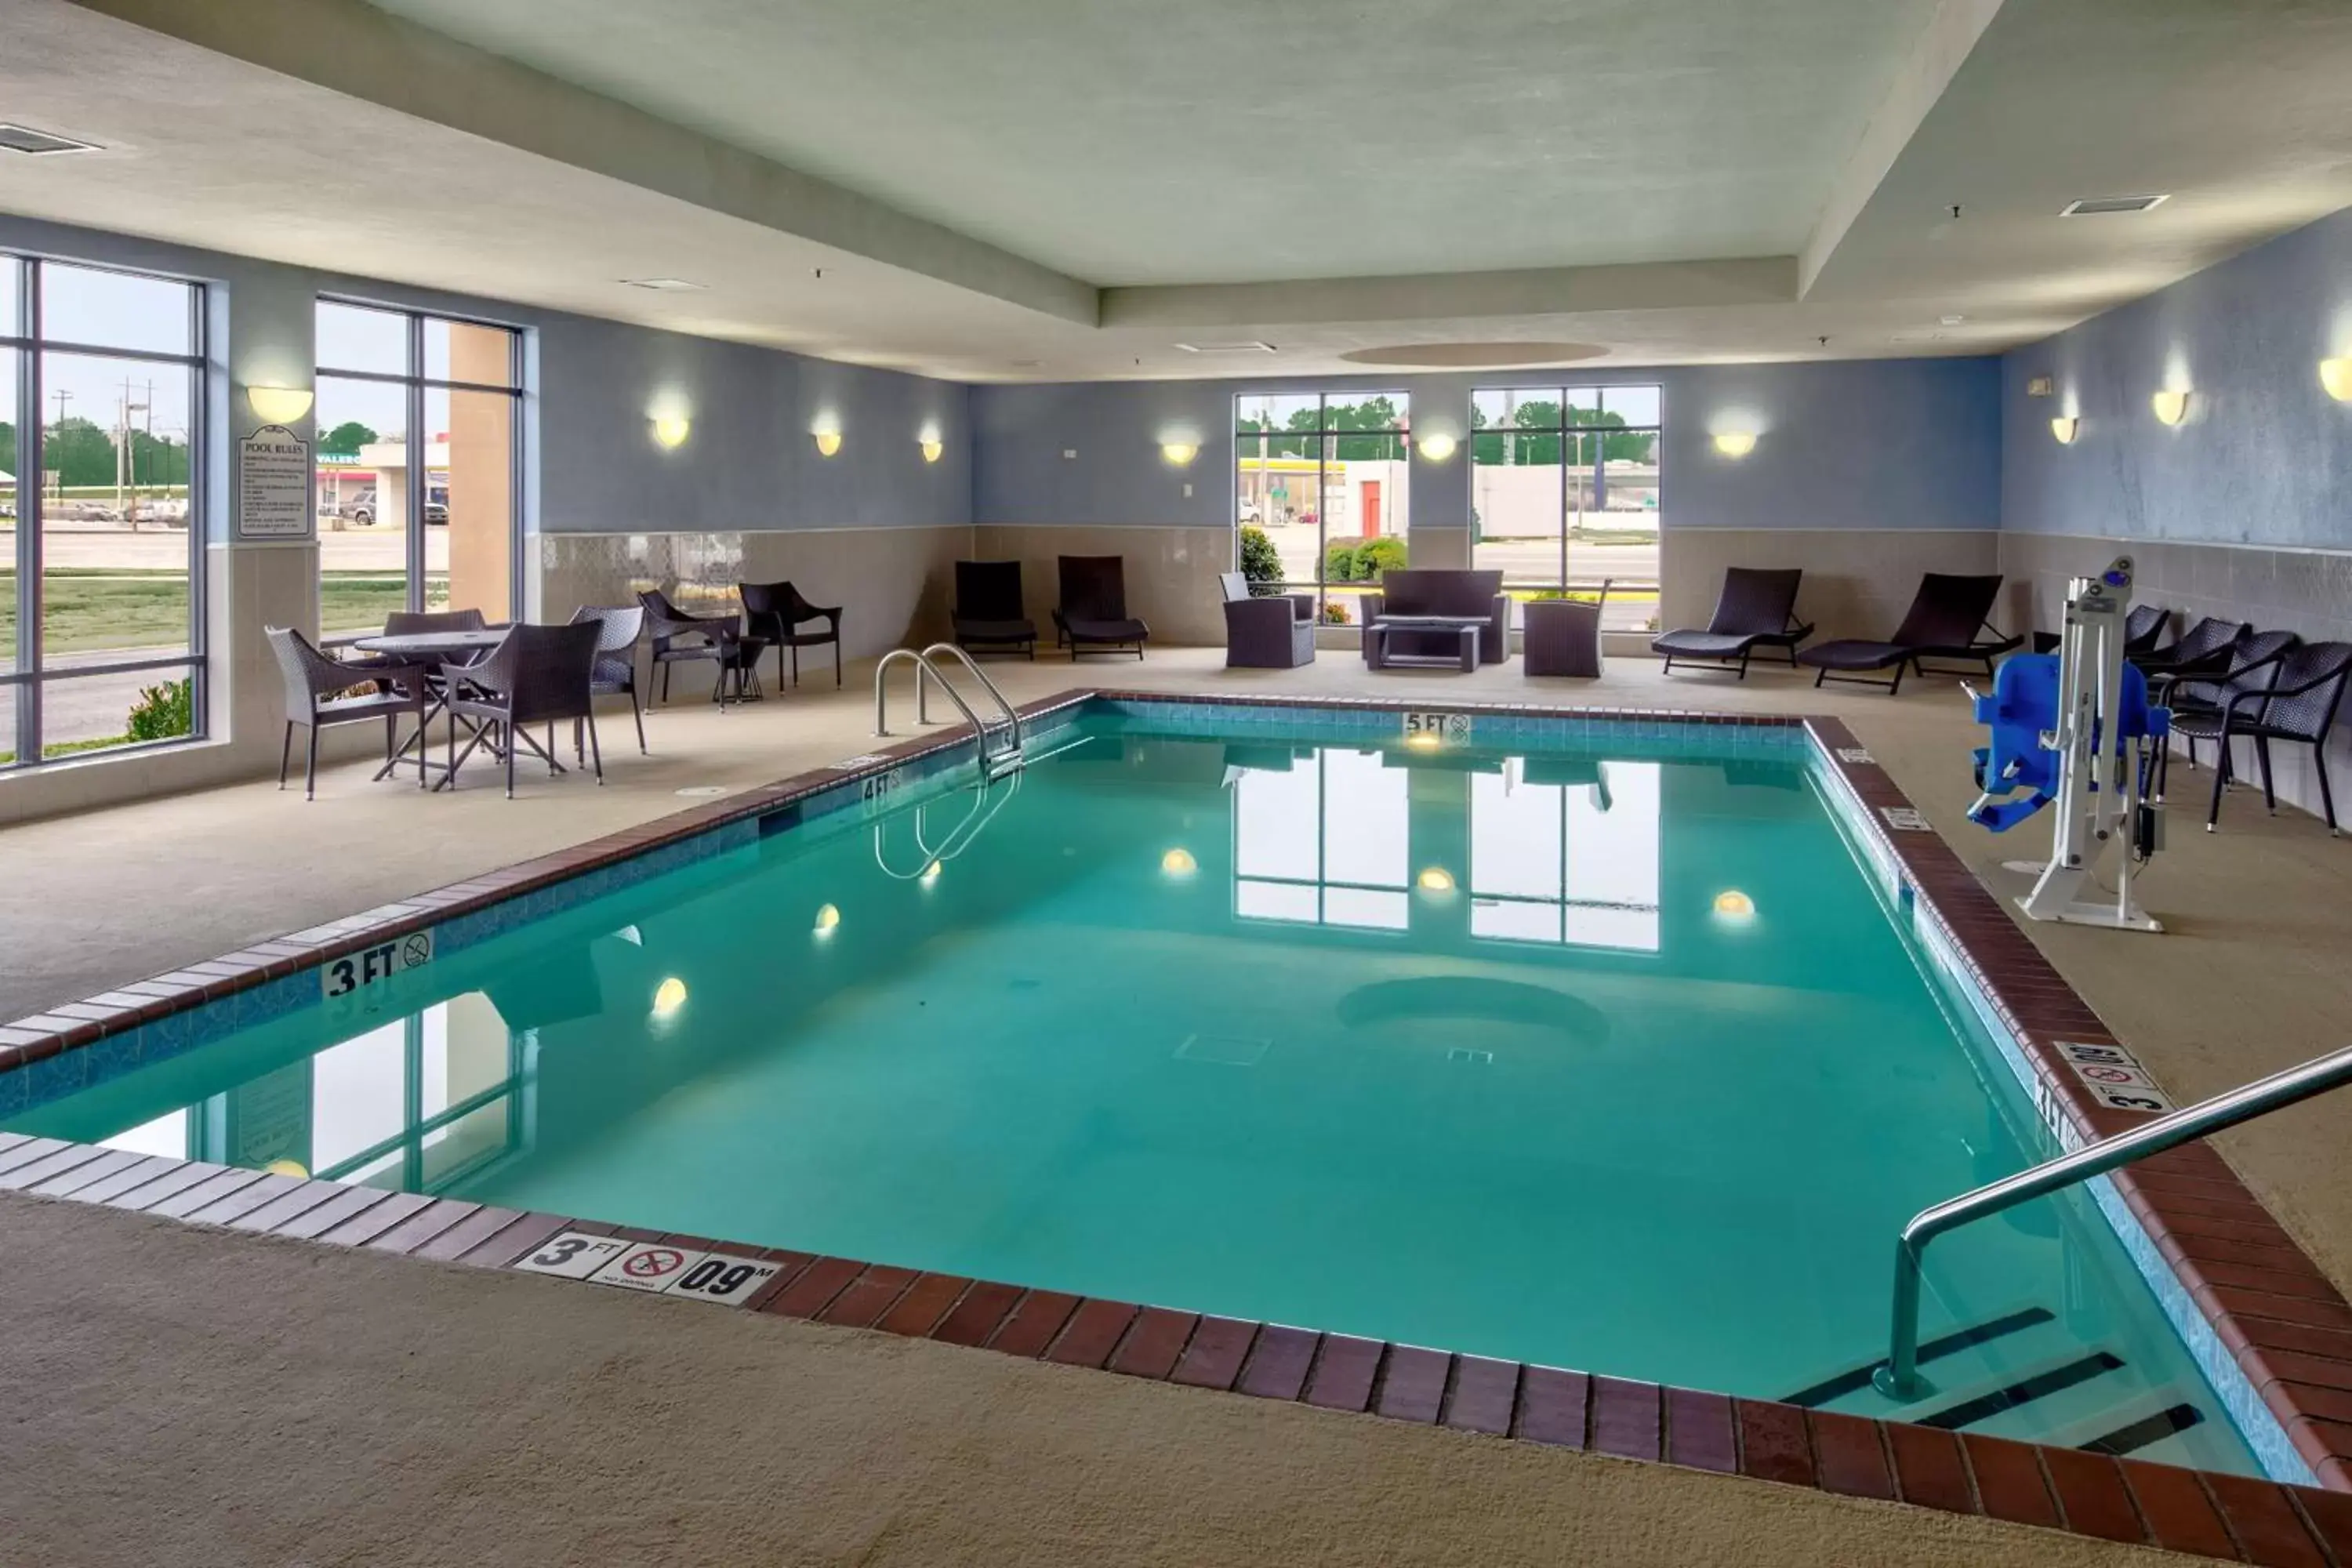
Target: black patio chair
x=990, y=617
x=716, y=640
x=538, y=675
x=1758, y=608
x=1270, y=633
x=409, y=623
x=314, y=689
x=2297, y=703
x=2143, y=625
x=1092, y=614
x=2253, y=662
x=1943, y=621
x=616, y=660
x=776, y=611
x=2203, y=650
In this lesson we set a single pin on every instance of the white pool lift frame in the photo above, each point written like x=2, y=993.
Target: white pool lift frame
x=2098, y=802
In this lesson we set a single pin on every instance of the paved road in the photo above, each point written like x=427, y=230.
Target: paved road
x=97, y=545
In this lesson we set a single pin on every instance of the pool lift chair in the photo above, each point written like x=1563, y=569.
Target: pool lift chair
x=2075, y=729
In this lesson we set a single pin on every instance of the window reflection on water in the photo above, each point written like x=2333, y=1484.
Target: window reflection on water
x=1561, y=850
x=415, y=1103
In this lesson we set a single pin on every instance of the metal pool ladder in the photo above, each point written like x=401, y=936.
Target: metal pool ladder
x=1898, y=1377
x=1001, y=755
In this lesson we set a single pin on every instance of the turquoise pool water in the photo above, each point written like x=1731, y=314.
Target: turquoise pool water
x=1606, y=1054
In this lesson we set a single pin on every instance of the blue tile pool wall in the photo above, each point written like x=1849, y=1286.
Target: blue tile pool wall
x=1948, y=975
x=69, y=1071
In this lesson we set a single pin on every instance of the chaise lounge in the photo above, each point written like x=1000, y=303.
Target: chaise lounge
x=988, y=616
x=1945, y=618
x=1092, y=616
x=1758, y=608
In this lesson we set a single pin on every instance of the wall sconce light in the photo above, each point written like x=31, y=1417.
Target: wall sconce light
x=1436, y=448
x=2335, y=375
x=1734, y=444
x=1180, y=453
x=2065, y=427
x=932, y=448
x=2171, y=405
x=279, y=405
x=670, y=430
x=828, y=441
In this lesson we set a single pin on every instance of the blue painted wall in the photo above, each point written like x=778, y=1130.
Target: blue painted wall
x=1857, y=444
x=2265, y=455
x=748, y=462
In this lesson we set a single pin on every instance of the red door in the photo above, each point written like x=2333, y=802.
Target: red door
x=1371, y=509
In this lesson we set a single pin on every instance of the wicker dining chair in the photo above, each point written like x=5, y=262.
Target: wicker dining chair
x=410, y=623
x=616, y=660
x=777, y=610
x=538, y=675
x=718, y=641
x=314, y=684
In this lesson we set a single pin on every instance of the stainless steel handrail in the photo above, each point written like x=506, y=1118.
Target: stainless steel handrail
x=925, y=671
x=1012, y=714
x=1898, y=1377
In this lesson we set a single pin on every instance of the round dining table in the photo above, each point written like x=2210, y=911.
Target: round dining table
x=452, y=647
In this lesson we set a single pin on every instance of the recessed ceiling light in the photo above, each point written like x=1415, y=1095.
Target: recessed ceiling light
x=1952, y=320
x=1252, y=347
x=665, y=285
x=2092, y=206
x=41, y=143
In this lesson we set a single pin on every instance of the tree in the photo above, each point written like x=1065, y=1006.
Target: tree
x=1261, y=563
x=80, y=451
x=345, y=439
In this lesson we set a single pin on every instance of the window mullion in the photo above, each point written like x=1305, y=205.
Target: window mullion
x=31, y=453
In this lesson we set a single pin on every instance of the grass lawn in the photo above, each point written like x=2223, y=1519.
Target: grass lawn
x=91, y=609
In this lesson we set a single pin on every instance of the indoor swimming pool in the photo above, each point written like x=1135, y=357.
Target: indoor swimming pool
x=1597, y=1045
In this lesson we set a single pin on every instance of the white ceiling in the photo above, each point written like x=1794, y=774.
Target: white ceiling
x=1071, y=188
x=1133, y=141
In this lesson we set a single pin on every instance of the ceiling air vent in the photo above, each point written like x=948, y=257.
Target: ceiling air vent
x=1251, y=347
x=2092, y=206
x=25, y=139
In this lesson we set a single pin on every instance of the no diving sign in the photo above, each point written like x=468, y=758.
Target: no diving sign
x=655, y=1268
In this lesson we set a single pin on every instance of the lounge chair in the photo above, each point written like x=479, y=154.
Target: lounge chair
x=1943, y=622
x=1273, y=633
x=2297, y=702
x=776, y=611
x=989, y=612
x=1757, y=608
x=1092, y=616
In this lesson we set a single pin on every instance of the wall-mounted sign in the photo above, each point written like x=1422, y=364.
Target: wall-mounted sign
x=273, y=485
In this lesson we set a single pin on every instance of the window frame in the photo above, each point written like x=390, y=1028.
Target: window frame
x=1563, y=428
x=31, y=675
x=415, y=383
x=1325, y=437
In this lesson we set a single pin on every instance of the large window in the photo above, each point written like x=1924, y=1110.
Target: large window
x=419, y=464
x=1324, y=478
x=102, y=544
x=1323, y=841
x=1564, y=492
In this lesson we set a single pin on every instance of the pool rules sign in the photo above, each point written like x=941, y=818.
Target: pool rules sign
x=273, y=485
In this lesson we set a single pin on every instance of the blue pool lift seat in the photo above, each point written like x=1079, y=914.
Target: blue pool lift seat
x=2023, y=704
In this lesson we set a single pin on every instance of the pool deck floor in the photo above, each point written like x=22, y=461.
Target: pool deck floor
x=958, y=1457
